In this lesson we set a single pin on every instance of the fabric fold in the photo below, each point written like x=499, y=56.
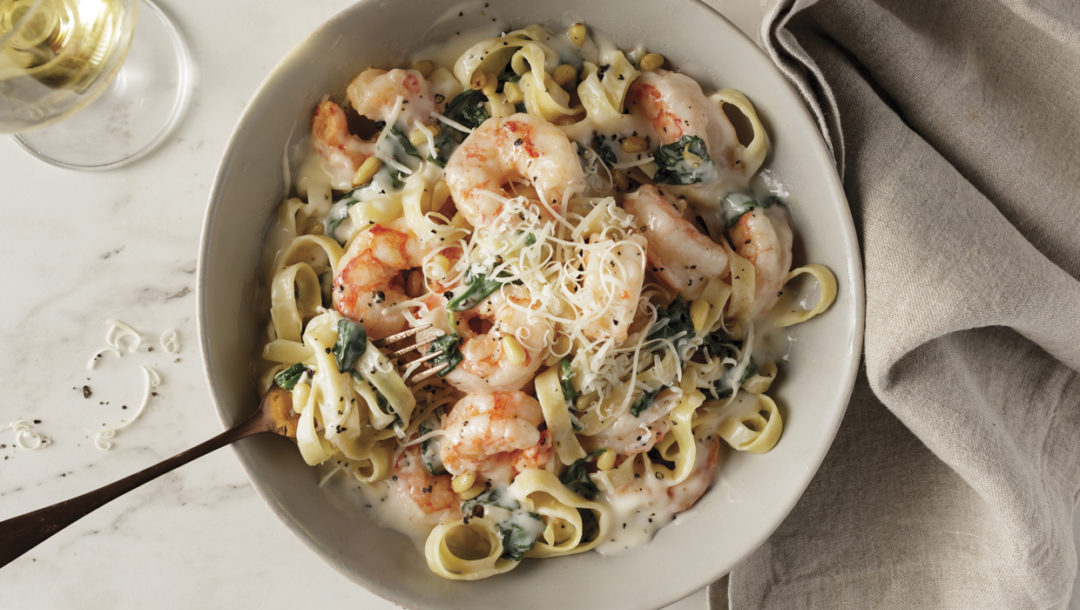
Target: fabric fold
x=956, y=472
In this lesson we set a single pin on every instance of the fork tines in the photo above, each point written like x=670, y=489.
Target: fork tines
x=413, y=366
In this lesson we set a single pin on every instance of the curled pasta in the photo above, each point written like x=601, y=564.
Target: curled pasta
x=788, y=311
x=472, y=550
x=754, y=425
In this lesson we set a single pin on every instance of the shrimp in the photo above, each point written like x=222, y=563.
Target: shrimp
x=373, y=94
x=502, y=151
x=675, y=106
x=683, y=257
x=341, y=152
x=632, y=434
x=611, y=287
x=487, y=365
x=686, y=494
x=369, y=287
x=763, y=237
x=496, y=435
x=431, y=493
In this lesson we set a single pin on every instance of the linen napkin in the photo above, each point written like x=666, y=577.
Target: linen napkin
x=955, y=474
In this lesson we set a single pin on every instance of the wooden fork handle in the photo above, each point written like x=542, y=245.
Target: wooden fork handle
x=20, y=534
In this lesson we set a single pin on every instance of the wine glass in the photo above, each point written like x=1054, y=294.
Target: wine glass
x=82, y=87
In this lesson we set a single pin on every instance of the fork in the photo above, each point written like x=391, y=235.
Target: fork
x=20, y=534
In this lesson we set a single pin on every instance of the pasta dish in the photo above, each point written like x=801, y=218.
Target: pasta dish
x=575, y=235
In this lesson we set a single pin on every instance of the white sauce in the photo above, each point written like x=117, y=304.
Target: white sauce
x=637, y=514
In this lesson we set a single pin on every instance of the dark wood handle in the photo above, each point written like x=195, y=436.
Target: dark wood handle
x=20, y=534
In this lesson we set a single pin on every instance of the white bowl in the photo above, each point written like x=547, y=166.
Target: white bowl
x=753, y=493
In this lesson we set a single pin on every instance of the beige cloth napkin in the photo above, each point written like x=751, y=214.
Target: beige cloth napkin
x=955, y=474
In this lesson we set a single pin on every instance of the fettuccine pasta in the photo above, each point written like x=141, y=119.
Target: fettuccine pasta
x=575, y=235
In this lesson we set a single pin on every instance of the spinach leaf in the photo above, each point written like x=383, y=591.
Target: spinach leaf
x=287, y=379
x=448, y=344
x=466, y=108
x=726, y=385
x=402, y=141
x=684, y=162
x=602, y=146
x=645, y=400
x=576, y=476
x=479, y=288
x=520, y=107
x=673, y=322
x=340, y=211
x=718, y=345
x=566, y=381
x=519, y=535
x=350, y=345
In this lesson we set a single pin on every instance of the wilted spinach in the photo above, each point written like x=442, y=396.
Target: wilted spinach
x=449, y=344
x=683, y=162
x=350, y=345
x=287, y=379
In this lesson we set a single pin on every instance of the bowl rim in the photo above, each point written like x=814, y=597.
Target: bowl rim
x=847, y=235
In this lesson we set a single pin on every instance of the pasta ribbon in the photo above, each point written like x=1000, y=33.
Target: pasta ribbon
x=715, y=294
x=379, y=371
x=603, y=98
x=679, y=446
x=760, y=382
x=543, y=96
x=466, y=551
x=561, y=509
x=754, y=424
x=752, y=155
x=320, y=252
x=295, y=296
x=415, y=203
x=491, y=56
x=287, y=352
x=557, y=416
x=789, y=312
x=741, y=302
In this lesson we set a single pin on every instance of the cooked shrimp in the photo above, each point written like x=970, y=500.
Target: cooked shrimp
x=683, y=257
x=686, y=494
x=763, y=236
x=431, y=493
x=673, y=103
x=496, y=435
x=502, y=151
x=675, y=106
x=341, y=152
x=632, y=434
x=369, y=288
x=488, y=364
x=373, y=94
x=611, y=287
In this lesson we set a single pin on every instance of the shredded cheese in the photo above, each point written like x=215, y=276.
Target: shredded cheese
x=25, y=436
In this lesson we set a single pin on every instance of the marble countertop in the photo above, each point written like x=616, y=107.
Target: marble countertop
x=82, y=248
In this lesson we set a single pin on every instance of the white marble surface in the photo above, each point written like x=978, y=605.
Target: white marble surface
x=85, y=247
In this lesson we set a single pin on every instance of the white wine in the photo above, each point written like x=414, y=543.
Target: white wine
x=58, y=55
